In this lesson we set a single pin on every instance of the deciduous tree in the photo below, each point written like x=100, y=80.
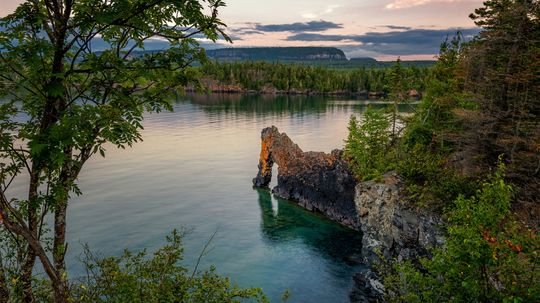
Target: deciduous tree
x=73, y=70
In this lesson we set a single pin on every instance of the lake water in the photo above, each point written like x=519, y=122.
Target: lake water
x=194, y=170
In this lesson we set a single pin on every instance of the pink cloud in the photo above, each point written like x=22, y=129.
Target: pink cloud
x=397, y=4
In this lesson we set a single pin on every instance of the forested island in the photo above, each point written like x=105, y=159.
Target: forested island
x=446, y=196
x=282, y=78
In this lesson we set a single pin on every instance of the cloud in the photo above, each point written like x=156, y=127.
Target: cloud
x=310, y=16
x=397, y=27
x=398, y=4
x=408, y=42
x=312, y=26
x=250, y=32
x=328, y=10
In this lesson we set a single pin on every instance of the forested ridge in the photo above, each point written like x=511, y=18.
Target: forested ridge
x=277, y=54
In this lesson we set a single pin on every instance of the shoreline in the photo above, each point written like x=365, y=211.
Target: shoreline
x=377, y=96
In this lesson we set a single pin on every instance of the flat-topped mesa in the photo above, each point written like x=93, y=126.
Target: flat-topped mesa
x=317, y=181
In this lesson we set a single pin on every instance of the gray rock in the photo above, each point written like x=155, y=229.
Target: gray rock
x=390, y=226
x=391, y=229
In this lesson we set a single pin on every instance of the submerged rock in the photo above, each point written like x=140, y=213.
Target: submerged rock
x=317, y=181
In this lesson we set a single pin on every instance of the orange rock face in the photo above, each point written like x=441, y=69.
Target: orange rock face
x=317, y=181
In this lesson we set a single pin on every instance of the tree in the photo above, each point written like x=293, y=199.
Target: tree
x=76, y=98
x=502, y=69
x=367, y=145
x=398, y=88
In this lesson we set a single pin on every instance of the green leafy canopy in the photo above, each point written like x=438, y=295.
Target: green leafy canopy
x=72, y=80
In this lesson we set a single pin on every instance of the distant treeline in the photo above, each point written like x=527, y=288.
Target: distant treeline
x=263, y=77
x=355, y=63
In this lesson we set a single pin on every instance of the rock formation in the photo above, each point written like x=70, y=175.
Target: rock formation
x=392, y=228
x=317, y=181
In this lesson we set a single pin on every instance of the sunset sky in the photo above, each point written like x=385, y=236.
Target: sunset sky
x=383, y=29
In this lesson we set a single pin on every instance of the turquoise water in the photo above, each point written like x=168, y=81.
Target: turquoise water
x=194, y=170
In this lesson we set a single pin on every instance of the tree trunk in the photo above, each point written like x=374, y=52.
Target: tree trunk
x=30, y=259
x=4, y=291
x=69, y=173
x=26, y=275
x=61, y=292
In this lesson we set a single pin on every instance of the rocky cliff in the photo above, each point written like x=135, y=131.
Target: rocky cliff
x=317, y=181
x=277, y=54
x=391, y=228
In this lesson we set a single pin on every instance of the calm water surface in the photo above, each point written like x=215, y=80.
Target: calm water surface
x=194, y=170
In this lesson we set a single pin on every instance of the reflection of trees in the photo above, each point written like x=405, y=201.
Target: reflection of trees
x=261, y=105
x=258, y=105
x=291, y=222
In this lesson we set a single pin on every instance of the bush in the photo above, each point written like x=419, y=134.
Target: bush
x=488, y=257
x=159, y=278
x=428, y=180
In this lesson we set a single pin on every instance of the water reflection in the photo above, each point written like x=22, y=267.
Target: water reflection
x=260, y=105
x=287, y=222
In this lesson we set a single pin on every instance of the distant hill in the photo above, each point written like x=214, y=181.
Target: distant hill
x=364, y=60
x=328, y=57
x=277, y=54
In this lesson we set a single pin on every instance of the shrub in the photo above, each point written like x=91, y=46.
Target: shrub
x=138, y=277
x=488, y=257
x=367, y=146
x=428, y=180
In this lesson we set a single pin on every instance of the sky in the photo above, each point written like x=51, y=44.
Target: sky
x=382, y=29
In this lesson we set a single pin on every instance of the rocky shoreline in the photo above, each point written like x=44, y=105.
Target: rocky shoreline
x=391, y=229
x=232, y=89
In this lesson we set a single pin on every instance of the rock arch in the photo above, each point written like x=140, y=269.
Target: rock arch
x=317, y=181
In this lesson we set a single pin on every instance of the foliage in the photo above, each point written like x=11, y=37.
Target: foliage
x=428, y=181
x=488, y=257
x=66, y=100
x=367, y=145
x=420, y=153
x=304, y=78
x=434, y=119
x=398, y=87
x=479, y=102
x=502, y=70
x=429, y=135
x=138, y=277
